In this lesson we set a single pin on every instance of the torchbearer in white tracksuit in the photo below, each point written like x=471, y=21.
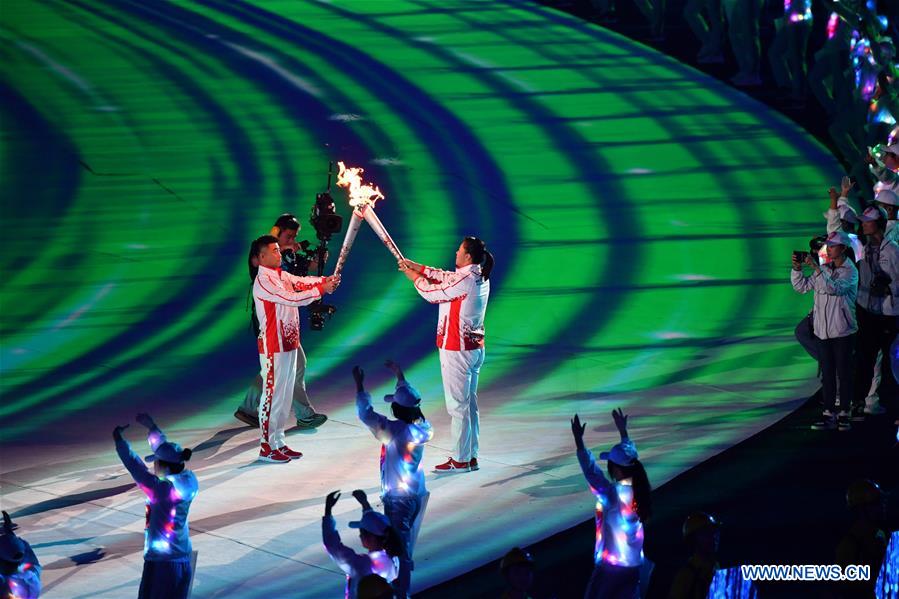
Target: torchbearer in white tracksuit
x=462, y=295
x=277, y=295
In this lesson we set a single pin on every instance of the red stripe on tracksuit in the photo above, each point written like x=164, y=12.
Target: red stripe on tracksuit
x=453, y=342
x=271, y=328
x=268, y=392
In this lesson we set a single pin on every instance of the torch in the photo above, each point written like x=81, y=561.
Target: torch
x=375, y=223
x=362, y=198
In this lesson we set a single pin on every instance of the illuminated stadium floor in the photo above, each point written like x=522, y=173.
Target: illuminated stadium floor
x=642, y=216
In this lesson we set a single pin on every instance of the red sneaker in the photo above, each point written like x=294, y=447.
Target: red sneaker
x=473, y=464
x=267, y=454
x=293, y=455
x=452, y=465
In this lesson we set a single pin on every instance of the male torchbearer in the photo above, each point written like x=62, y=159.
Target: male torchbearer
x=277, y=295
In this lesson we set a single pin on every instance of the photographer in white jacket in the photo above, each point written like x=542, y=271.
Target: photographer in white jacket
x=833, y=323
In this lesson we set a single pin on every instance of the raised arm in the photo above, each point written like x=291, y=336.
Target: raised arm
x=592, y=472
x=300, y=283
x=342, y=555
x=452, y=287
x=435, y=275
x=147, y=481
x=376, y=423
x=267, y=289
x=155, y=436
x=800, y=282
x=620, y=419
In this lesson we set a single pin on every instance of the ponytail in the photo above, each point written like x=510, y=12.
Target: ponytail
x=477, y=249
x=487, y=266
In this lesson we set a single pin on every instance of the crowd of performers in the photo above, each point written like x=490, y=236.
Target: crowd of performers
x=384, y=568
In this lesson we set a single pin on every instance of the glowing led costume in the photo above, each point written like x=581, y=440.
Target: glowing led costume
x=462, y=296
x=25, y=582
x=356, y=566
x=888, y=578
x=168, y=502
x=619, y=531
x=402, y=477
x=402, y=449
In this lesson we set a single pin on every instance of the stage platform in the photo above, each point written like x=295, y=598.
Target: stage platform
x=642, y=216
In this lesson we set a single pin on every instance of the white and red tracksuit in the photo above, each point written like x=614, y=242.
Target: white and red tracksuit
x=462, y=296
x=277, y=295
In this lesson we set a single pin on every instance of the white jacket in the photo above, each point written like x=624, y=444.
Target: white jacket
x=277, y=295
x=835, y=292
x=887, y=260
x=462, y=295
x=892, y=231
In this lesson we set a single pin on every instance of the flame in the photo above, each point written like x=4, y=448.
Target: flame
x=361, y=194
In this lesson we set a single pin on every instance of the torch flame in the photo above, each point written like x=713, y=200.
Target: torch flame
x=361, y=193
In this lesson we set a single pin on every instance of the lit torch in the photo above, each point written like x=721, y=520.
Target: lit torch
x=362, y=198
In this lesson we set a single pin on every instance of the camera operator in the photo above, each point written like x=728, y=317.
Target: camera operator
x=878, y=308
x=296, y=262
x=833, y=322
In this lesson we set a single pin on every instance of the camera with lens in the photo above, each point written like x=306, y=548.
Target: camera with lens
x=327, y=222
x=324, y=217
x=814, y=245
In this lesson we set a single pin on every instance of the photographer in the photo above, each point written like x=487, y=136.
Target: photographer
x=840, y=216
x=833, y=322
x=878, y=308
x=296, y=262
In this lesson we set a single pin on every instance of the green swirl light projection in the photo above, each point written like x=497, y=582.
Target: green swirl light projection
x=642, y=215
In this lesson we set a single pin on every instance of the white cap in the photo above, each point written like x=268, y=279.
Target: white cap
x=887, y=196
x=873, y=213
x=838, y=238
x=848, y=213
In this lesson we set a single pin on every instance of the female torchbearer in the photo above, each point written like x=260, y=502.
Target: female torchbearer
x=462, y=295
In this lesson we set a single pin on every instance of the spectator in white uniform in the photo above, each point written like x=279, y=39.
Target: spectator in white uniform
x=833, y=323
x=877, y=309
